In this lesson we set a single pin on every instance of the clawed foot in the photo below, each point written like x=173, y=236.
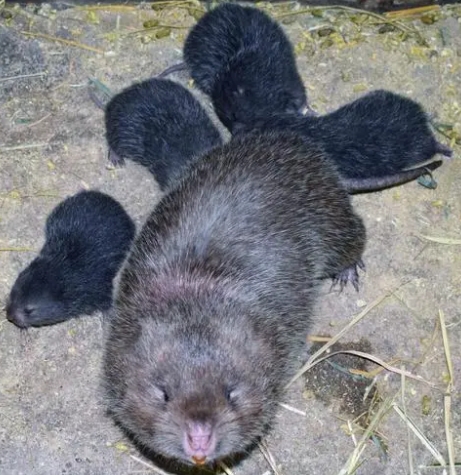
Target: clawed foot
x=349, y=274
x=115, y=159
x=443, y=149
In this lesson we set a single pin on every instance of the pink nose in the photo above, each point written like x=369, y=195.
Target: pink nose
x=199, y=441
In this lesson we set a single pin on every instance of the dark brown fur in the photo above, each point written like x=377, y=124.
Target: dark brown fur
x=216, y=298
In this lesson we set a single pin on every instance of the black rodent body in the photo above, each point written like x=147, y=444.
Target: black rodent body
x=214, y=302
x=160, y=125
x=87, y=238
x=376, y=136
x=244, y=61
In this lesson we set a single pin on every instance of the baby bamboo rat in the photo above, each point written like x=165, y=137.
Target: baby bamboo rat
x=371, y=140
x=215, y=300
x=245, y=62
x=87, y=238
x=160, y=125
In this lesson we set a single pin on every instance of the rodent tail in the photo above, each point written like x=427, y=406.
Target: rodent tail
x=363, y=185
x=96, y=90
x=173, y=69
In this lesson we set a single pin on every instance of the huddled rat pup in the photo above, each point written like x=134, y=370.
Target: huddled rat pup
x=250, y=87
x=215, y=299
x=371, y=140
x=87, y=238
x=160, y=125
x=245, y=62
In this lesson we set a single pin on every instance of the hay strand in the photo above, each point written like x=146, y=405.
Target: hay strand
x=377, y=16
x=379, y=362
x=353, y=462
x=23, y=76
x=441, y=240
x=225, y=468
x=292, y=409
x=63, y=41
x=312, y=360
x=426, y=442
x=23, y=147
x=269, y=457
x=16, y=249
x=447, y=396
x=409, y=446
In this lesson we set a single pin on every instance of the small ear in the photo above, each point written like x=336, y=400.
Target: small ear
x=293, y=105
x=239, y=128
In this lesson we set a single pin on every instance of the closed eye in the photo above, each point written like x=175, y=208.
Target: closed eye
x=232, y=395
x=162, y=394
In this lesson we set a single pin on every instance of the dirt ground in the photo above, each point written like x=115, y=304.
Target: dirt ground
x=52, y=145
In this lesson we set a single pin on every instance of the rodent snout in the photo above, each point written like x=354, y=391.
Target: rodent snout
x=199, y=441
x=17, y=315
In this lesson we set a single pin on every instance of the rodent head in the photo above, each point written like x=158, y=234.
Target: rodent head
x=245, y=93
x=36, y=297
x=190, y=390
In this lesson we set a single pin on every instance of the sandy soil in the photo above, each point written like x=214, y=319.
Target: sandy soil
x=52, y=145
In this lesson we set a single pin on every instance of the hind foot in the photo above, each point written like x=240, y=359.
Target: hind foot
x=308, y=111
x=115, y=159
x=443, y=149
x=349, y=274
